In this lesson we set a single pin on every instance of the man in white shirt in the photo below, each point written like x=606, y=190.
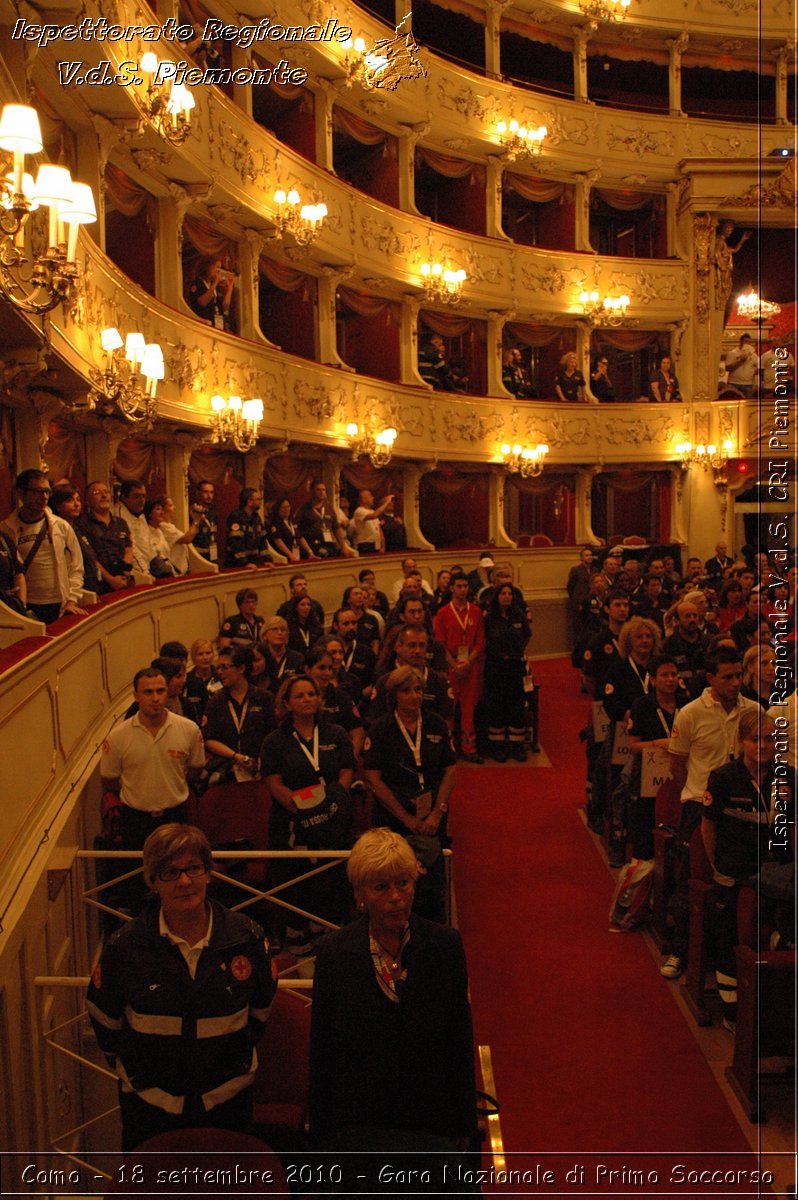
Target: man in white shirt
x=743, y=366
x=368, y=537
x=704, y=736
x=147, y=759
x=48, y=549
x=132, y=498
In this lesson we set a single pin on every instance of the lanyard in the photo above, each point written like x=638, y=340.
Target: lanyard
x=414, y=745
x=239, y=721
x=313, y=758
x=304, y=634
x=664, y=721
x=348, y=661
x=463, y=624
x=644, y=683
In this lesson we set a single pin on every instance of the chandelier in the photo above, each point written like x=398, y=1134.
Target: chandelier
x=296, y=220
x=116, y=386
x=605, y=10
x=442, y=284
x=750, y=305
x=609, y=310
x=525, y=460
x=519, y=141
x=377, y=447
x=235, y=422
x=168, y=108
x=50, y=278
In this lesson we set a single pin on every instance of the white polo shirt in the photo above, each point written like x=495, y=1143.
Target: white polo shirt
x=152, y=769
x=706, y=735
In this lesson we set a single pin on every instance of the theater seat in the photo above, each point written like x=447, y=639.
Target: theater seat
x=541, y=540
x=235, y=812
x=765, y=1008
x=667, y=812
x=698, y=955
x=190, y=1161
x=282, y=1079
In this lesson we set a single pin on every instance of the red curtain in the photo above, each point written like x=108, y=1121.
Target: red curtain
x=65, y=455
x=454, y=506
x=7, y=474
x=368, y=334
x=142, y=460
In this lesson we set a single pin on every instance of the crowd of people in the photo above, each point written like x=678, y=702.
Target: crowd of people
x=352, y=724
x=692, y=676
x=59, y=544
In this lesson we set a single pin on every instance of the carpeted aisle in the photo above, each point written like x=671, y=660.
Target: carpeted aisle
x=590, y=1053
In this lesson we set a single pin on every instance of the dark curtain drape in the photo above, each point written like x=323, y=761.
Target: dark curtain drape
x=454, y=506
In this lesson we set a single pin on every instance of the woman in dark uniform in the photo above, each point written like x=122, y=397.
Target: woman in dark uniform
x=410, y=766
x=649, y=728
x=236, y=720
x=507, y=633
x=308, y=765
x=391, y=1042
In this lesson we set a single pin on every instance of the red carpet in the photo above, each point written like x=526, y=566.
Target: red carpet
x=590, y=1053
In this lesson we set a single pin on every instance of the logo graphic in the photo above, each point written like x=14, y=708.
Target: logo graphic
x=392, y=60
x=241, y=968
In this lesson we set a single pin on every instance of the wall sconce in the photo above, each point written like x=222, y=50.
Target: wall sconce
x=296, y=220
x=167, y=104
x=605, y=10
x=54, y=272
x=116, y=388
x=611, y=310
x=378, y=447
x=441, y=284
x=710, y=457
x=519, y=141
x=525, y=460
x=235, y=422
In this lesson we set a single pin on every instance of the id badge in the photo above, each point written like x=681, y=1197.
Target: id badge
x=529, y=683
x=462, y=654
x=310, y=797
x=218, y=320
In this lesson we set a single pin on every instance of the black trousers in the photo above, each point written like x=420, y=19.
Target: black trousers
x=141, y=1120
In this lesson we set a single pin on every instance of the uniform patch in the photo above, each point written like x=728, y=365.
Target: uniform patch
x=241, y=968
x=707, y=801
x=96, y=977
x=234, y=528
x=608, y=649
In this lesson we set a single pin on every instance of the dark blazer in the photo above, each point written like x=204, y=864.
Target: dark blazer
x=395, y=1066
x=578, y=586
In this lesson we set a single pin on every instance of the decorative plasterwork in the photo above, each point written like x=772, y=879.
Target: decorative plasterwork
x=780, y=194
x=641, y=141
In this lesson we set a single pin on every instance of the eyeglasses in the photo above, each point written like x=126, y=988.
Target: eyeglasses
x=172, y=874
x=39, y=491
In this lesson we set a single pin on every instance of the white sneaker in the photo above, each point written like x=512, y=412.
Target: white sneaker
x=672, y=967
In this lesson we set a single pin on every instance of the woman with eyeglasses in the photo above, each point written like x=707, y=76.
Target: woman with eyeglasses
x=179, y=998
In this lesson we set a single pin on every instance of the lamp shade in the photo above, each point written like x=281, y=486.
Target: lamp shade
x=20, y=130
x=152, y=364
x=53, y=185
x=79, y=208
x=111, y=339
x=134, y=348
